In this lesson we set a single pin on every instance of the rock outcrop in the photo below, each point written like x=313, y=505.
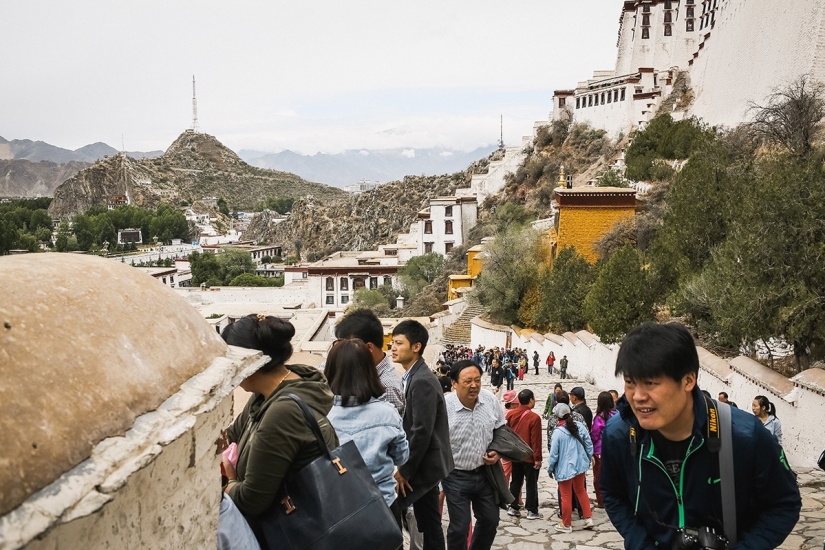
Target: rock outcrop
x=193, y=167
x=361, y=222
x=24, y=178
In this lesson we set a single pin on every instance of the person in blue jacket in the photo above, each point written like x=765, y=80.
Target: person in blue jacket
x=657, y=473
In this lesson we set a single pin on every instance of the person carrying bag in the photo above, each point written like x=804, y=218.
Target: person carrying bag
x=331, y=504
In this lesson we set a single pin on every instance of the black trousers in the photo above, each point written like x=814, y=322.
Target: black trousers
x=428, y=518
x=462, y=489
x=525, y=472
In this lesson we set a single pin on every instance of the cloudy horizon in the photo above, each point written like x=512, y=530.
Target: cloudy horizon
x=320, y=77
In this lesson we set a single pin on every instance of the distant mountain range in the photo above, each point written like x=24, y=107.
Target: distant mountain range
x=351, y=166
x=36, y=151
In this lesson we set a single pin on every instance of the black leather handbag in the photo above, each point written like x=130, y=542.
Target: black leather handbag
x=331, y=504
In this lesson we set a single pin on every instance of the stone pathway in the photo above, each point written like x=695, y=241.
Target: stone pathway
x=524, y=534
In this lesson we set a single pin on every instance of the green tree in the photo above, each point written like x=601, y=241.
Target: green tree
x=84, y=231
x=205, y=269
x=563, y=290
x=250, y=279
x=618, y=300
x=234, y=262
x=372, y=299
x=8, y=234
x=63, y=234
x=791, y=118
x=223, y=208
x=420, y=271
x=510, y=268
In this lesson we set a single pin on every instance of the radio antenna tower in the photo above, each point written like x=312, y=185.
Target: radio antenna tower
x=194, y=108
x=501, y=139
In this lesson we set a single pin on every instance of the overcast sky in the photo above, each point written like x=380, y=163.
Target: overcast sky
x=306, y=75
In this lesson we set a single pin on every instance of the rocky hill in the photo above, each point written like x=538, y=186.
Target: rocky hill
x=23, y=178
x=360, y=222
x=193, y=167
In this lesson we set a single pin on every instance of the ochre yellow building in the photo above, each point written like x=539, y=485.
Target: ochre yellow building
x=586, y=214
x=475, y=260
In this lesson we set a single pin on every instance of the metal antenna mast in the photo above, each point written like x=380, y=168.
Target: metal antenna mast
x=194, y=108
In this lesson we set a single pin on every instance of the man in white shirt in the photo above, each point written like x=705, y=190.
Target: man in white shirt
x=472, y=413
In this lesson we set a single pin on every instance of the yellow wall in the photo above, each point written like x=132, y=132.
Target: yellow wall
x=582, y=227
x=474, y=263
x=456, y=283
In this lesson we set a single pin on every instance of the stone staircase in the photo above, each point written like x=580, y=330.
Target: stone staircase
x=459, y=332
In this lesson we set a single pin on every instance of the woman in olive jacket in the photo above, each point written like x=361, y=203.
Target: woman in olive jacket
x=274, y=440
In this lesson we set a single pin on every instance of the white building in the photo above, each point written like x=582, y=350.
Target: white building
x=446, y=223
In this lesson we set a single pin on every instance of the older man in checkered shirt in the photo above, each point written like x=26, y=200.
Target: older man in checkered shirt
x=473, y=413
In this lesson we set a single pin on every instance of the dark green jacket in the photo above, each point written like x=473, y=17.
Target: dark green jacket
x=274, y=441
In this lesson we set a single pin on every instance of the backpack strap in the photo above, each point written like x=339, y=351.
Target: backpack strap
x=726, y=474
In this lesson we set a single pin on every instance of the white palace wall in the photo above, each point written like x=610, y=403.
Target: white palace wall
x=799, y=401
x=754, y=47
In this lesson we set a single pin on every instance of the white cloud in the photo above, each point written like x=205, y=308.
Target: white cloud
x=408, y=153
x=364, y=153
x=445, y=154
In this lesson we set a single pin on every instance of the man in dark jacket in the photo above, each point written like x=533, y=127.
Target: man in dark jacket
x=579, y=405
x=428, y=433
x=658, y=474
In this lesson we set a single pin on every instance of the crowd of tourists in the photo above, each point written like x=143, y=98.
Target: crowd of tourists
x=458, y=439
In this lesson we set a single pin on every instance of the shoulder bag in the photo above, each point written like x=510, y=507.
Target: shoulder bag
x=331, y=504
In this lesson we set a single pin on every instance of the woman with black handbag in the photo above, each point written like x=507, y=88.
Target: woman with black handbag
x=274, y=440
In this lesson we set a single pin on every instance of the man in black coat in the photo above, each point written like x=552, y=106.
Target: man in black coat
x=428, y=433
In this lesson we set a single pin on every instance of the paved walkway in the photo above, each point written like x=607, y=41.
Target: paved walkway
x=523, y=534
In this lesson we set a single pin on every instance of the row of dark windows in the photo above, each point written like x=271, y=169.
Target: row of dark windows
x=609, y=96
x=356, y=283
x=428, y=247
x=448, y=226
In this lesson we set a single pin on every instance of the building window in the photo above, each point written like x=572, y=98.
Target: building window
x=562, y=102
x=590, y=101
x=578, y=106
x=645, y=20
x=428, y=247
x=610, y=96
x=304, y=274
x=448, y=210
x=344, y=299
x=164, y=280
x=373, y=282
x=668, y=17
x=689, y=12
x=448, y=247
x=645, y=33
x=602, y=98
x=668, y=31
x=448, y=227
x=668, y=5
x=428, y=227
x=171, y=278
x=646, y=8
x=387, y=280
x=615, y=95
x=344, y=283
x=357, y=283
x=330, y=300
x=622, y=95
x=330, y=283
x=689, y=25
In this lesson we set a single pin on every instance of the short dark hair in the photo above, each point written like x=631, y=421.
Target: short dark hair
x=459, y=366
x=361, y=323
x=414, y=332
x=268, y=334
x=524, y=396
x=351, y=372
x=652, y=350
x=562, y=397
x=724, y=393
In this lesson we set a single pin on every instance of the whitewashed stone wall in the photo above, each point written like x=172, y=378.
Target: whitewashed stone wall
x=157, y=486
x=755, y=46
x=799, y=409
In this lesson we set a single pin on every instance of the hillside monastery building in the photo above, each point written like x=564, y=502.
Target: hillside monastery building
x=729, y=52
